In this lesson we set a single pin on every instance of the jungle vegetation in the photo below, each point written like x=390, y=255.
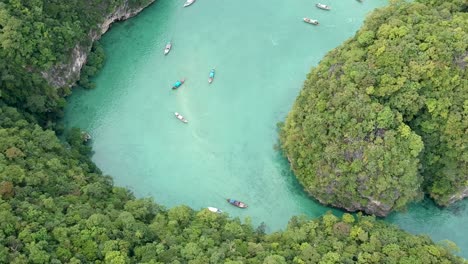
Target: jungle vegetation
x=57, y=207
x=35, y=35
x=384, y=117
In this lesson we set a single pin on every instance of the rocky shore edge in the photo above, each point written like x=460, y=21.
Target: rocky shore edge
x=68, y=73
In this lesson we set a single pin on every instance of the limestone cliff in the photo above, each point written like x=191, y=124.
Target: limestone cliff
x=66, y=74
x=458, y=196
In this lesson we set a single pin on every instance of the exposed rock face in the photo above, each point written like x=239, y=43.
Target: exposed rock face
x=66, y=74
x=459, y=196
x=373, y=207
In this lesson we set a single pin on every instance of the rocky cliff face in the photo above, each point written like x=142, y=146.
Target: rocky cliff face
x=66, y=74
x=458, y=196
x=372, y=207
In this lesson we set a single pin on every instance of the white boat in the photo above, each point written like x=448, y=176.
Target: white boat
x=167, y=48
x=189, y=2
x=310, y=21
x=322, y=6
x=214, y=210
x=180, y=117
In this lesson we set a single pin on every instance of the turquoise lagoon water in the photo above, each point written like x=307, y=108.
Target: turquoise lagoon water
x=262, y=52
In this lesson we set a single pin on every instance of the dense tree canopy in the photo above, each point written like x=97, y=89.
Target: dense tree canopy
x=38, y=34
x=58, y=209
x=384, y=117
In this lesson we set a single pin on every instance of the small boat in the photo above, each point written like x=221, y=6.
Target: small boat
x=189, y=2
x=360, y=1
x=237, y=203
x=310, y=21
x=214, y=210
x=212, y=74
x=322, y=6
x=180, y=117
x=167, y=48
x=178, y=84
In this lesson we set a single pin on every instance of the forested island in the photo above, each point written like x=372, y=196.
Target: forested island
x=57, y=207
x=383, y=118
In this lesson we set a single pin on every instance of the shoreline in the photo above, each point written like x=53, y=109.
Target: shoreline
x=67, y=74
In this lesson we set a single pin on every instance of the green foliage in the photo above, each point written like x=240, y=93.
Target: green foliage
x=37, y=35
x=93, y=65
x=58, y=209
x=79, y=147
x=384, y=117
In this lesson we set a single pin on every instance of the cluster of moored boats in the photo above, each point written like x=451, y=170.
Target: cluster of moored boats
x=314, y=21
x=231, y=201
x=319, y=6
x=179, y=83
